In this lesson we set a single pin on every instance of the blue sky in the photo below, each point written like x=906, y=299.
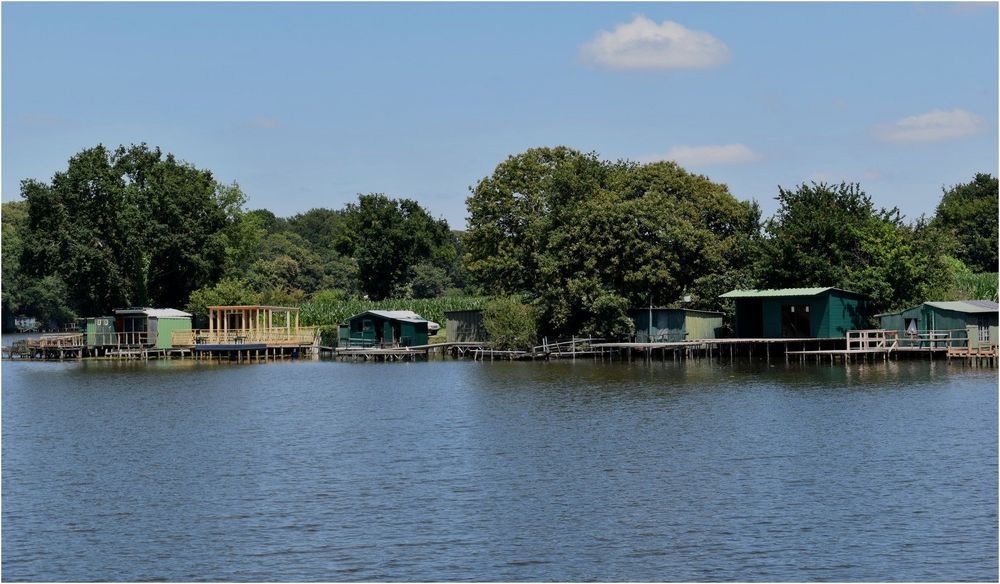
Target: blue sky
x=307, y=105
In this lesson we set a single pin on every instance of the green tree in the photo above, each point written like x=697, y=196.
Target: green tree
x=968, y=214
x=587, y=239
x=429, y=281
x=14, y=216
x=226, y=292
x=511, y=325
x=86, y=230
x=387, y=237
x=833, y=235
x=128, y=227
x=317, y=226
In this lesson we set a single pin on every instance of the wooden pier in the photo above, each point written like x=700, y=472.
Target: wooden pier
x=883, y=345
x=268, y=344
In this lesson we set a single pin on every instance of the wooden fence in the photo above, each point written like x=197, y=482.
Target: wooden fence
x=268, y=336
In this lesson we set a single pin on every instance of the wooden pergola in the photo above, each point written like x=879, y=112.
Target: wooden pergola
x=225, y=320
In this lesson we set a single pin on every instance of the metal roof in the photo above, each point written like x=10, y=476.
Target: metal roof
x=155, y=312
x=656, y=308
x=967, y=306
x=407, y=315
x=782, y=292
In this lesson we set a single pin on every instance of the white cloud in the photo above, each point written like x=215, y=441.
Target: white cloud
x=643, y=44
x=708, y=155
x=933, y=126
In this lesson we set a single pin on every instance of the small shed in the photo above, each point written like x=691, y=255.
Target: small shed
x=674, y=324
x=150, y=327
x=980, y=315
x=799, y=313
x=99, y=331
x=375, y=328
x=465, y=326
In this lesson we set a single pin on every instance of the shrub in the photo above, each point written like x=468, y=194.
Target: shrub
x=510, y=324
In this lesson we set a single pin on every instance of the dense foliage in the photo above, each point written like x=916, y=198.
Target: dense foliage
x=587, y=239
x=124, y=227
x=563, y=241
x=388, y=238
x=967, y=214
x=833, y=235
x=510, y=324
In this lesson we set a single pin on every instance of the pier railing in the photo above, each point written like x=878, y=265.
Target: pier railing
x=935, y=339
x=56, y=341
x=269, y=336
x=872, y=340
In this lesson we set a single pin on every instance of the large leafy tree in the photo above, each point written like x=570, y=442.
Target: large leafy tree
x=833, y=235
x=967, y=213
x=587, y=239
x=129, y=226
x=388, y=238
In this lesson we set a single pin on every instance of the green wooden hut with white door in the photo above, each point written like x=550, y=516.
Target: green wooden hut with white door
x=150, y=327
x=799, y=313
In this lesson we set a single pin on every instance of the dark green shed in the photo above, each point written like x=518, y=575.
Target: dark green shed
x=800, y=313
x=958, y=315
x=465, y=326
x=386, y=328
x=674, y=324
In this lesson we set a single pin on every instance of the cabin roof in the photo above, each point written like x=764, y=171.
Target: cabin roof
x=154, y=312
x=967, y=306
x=662, y=308
x=783, y=292
x=407, y=315
x=401, y=315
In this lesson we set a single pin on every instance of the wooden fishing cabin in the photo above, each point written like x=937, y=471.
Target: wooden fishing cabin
x=799, y=313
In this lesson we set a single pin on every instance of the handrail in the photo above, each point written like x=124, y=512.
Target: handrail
x=56, y=340
x=270, y=336
x=933, y=339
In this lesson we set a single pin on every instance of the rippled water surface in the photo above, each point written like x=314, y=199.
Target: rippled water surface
x=498, y=471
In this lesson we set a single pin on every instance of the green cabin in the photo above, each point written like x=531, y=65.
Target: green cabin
x=387, y=328
x=799, y=313
x=99, y=331
x=150, y=327
x=465, y=326
x=674, y=324
x=978, y=317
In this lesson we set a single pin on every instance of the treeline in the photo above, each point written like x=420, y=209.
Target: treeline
x=574, y=239
x=584, y=239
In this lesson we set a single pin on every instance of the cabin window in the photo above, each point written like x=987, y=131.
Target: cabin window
x=984, y=329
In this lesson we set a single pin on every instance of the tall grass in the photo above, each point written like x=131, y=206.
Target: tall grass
x=970, y=286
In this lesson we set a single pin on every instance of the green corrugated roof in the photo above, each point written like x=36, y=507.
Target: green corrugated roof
x=781, y=292
x=974, y=307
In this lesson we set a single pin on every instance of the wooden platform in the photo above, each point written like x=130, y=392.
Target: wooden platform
x=373, y=354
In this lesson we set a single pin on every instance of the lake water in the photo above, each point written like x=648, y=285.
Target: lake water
x=449, y=470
